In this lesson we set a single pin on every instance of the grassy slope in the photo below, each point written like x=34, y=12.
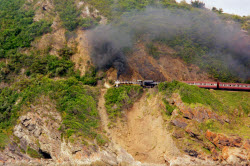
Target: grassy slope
x=234, y=105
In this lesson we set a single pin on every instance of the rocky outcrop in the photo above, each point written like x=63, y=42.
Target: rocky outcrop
x=221, y=140
x=234, y=151
x=180, y=122
x=37, y=129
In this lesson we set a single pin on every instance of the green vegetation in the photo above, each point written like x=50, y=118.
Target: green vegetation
x=120, y=98
x=3, y=140
x=169, y=108
x=33, y=153
x=217, y=100
x=76, y=102
x=153, y=50
x=101, y=140
x=234, y=100
x=70, y=15
x=17, y=28
x=35, y=64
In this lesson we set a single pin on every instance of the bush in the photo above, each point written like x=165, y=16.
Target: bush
x=66, y=52
x=35, y=64
x=18, y=28
x=153, y=51
x=71, y=16
x=169, y=108
x=33, y=153
x=116, y=99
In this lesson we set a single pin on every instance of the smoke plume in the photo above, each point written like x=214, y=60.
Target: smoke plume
x=200, y=26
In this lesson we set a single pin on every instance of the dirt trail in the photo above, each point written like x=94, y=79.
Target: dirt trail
x=102, y=111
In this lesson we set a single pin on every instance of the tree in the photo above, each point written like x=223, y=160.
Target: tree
x=220, y=10
x=214, y=9
x=198, y=4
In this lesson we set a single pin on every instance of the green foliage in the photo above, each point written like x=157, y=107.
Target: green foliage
x=17, y=28
x=70, y=15
x=34, y=64
x=191, y=94
x=153, y=51
x=33, y=153
x=169, y=108
x=8, y=99
x=101, y=140
x=198, y=4
x=3, y=140
x=90, y=77
x=218, y=100
x=76, y=102
x=119, y=98
x=66, y=52
x=168, y=87
x=234, y=100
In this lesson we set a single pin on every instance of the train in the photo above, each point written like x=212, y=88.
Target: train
x=220, y=85
x=207, y=85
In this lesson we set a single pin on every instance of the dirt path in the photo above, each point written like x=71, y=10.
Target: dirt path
x=102, y=111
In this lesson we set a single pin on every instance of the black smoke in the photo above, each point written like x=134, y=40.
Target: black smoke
x=232, y=46
x=108, y=45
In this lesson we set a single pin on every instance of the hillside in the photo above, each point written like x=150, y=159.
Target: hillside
x=59, y=59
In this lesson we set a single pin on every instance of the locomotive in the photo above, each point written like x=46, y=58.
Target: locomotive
x=145, y=83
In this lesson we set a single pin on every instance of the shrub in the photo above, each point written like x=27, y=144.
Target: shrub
x=33, y=153
x=153, y=50
x=66, y=52
x=117, y=99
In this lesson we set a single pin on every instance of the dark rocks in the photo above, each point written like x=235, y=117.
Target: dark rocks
x=178, y=134
x=193, y=134
x=179, y=122
x=192, y=153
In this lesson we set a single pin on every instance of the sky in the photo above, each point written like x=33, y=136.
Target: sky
x=239, y=7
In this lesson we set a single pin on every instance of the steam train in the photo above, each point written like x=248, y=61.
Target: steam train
x=207, y=85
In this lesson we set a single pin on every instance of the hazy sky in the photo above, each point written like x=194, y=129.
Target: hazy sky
x=239, y=7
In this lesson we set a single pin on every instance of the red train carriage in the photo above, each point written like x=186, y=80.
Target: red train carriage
x=220, y=85
x=234, y=86
x=209, y=85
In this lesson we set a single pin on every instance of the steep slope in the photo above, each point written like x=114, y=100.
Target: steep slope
x=166, y=68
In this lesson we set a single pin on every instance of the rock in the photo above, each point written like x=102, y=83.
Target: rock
x=199, y=114
x=192, y=134
x=192, y=153
x=175, y=113
x=215, y=154
x=246, y=145
x=220, y=140
x=178, y=134
x=234, y=155
x=187, y=113
x=179, y=122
